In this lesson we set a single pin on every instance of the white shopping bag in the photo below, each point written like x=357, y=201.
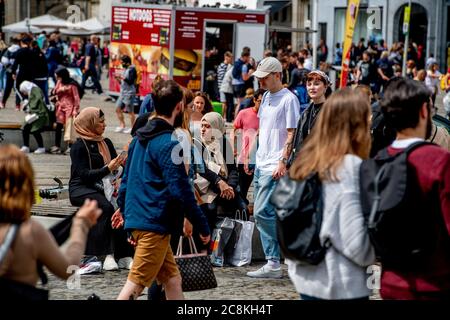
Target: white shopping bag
x=242, y=254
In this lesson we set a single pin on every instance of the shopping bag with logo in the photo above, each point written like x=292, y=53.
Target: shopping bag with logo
x=242, y=253
x=219, y=240
x=195, y=268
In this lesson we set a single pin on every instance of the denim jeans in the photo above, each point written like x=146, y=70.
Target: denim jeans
x=265, y=216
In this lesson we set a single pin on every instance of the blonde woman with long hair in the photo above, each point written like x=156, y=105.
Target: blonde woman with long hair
x=335, y=149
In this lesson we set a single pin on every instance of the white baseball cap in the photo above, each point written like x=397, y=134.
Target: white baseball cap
x=268, y=66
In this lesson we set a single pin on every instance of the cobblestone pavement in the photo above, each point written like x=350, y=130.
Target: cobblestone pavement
x=233, y=284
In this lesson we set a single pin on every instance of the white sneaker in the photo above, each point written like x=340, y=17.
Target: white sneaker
x=127, y=130
x=39, y=151
x=119, y=129
x=110, y=264
x=266, y=272
x=25, y=149
x=90, y=267
x=125, y=263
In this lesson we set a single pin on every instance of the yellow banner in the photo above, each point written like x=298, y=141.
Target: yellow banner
x=406, y=19
x=407, y=14
x=350, y=21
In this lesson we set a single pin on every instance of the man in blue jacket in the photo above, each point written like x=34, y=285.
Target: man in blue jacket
x=154, y=188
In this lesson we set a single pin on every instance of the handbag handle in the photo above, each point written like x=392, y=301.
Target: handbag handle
x=191, y=246
x=241, y=215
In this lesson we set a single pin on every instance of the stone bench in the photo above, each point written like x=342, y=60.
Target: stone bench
x=12, y=133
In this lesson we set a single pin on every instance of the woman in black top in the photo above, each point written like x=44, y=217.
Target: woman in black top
x=318, y=85
x=93, y=158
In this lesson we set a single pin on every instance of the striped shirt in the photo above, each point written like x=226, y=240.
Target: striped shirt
x=221, y=70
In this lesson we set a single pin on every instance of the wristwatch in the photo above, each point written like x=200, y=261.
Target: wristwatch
x=284, y=160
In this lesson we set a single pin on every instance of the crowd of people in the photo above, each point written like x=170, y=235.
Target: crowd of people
x=36, y=68
x=183, y=169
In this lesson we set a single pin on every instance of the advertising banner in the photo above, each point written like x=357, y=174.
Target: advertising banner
x=142, y=34
x=350, y=21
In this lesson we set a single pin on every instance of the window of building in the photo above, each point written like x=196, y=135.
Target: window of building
x=284, y=14
x=361, y=29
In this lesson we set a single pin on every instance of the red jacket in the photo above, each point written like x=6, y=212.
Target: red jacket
x=432, y=167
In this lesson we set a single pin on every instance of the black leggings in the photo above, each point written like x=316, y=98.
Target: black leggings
x=58, y=134
x=37, y=135
x=102, y=238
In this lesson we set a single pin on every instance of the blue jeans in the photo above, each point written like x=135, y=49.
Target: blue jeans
x=265, y=215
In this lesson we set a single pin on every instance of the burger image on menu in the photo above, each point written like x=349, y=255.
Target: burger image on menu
x=184, y=63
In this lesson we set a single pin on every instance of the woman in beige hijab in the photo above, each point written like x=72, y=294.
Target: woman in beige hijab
x=218, y=186
x=93, y=158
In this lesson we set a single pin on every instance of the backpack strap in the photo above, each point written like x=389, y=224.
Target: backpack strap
x=8, y=241
x=384, y=154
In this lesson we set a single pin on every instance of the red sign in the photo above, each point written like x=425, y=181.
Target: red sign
x=142, y=34
x=141, y=26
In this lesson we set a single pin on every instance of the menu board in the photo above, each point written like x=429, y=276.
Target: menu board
x=143, y=34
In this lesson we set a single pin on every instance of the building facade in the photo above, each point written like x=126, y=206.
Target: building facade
x=290, y=22
x=19, y=10
x=383, y=19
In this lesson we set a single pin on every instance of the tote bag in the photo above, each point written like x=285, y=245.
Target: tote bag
x=195, y=268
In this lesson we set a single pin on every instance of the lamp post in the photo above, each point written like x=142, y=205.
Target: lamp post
x=406, y=29
x=316, y=33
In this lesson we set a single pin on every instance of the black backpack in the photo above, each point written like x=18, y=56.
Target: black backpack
x=79, y=88
x=400, y=222
x=299, y=208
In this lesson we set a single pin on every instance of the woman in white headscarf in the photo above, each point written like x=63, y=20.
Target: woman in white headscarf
x=37, y=116
x=218, y=186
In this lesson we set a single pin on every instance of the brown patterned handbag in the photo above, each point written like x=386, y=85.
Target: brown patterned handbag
x=195, y=268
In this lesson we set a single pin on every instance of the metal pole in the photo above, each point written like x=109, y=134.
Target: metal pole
x=405, y=53
x=316, y=31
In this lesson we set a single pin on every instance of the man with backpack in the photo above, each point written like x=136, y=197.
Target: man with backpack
x=405, y=197
x=241, y=74
x=90, y=65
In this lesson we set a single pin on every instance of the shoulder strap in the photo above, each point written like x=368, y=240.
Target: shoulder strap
x=416, y=145
x=383, y=154
x=9, y=239
x=435, y=133
x=89, y=153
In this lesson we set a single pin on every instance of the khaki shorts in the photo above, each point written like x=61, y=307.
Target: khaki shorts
x=153, y=258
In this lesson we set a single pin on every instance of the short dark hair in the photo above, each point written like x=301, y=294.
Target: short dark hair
x=166, y=95
x=402, y=101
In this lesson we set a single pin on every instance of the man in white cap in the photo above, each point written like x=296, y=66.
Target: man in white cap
x=278, y=116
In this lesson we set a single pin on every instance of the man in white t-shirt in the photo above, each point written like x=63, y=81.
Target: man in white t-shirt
x=278, y=116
